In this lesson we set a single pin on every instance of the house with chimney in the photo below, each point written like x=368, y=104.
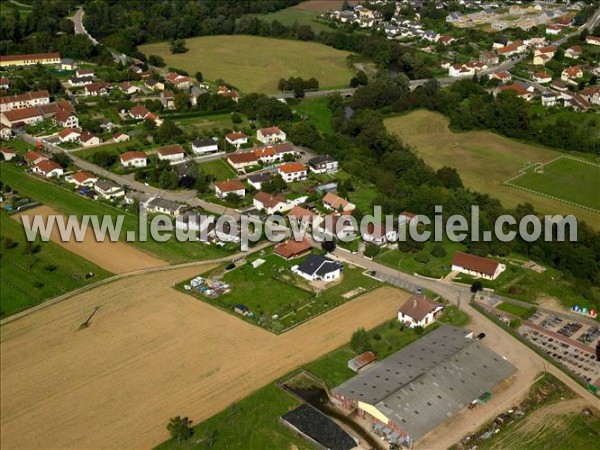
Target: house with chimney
x=419, y=311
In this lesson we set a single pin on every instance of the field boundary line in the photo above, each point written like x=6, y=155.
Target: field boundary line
x=524, y=170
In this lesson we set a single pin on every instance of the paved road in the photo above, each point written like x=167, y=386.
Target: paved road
x=181, y=196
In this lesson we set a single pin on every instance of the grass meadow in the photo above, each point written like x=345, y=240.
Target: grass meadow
x=484, y=160
x=255, y=64
x=293, y=14
x=32, y=273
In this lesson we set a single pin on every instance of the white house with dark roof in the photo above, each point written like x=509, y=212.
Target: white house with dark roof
x=323, y=164
x=205, y=146
x=318, y=268
x=108, y=189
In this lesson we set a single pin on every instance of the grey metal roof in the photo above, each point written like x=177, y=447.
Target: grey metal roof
x=430, y=380
x=164, y=204
x=318, y=264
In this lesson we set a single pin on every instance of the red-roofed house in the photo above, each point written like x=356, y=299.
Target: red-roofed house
x=29, y=59
x=21, y=117
x=27, y=100
x=65, y=119
x=225, y=188
x=574, y=52
x=335, y=202
x=476, y=266
x=292, y=249
x=419, y=312
x=301, y=214
x=542, y=77
x=48, y=168
x=133, y=159
x=32, y=158
x=87, y=139
x=95, y=89
x=270, y=203
x=571, y=73
x=7, y=153
x=226, y=92
x=592, y=40
x=503, y=76
x=138, y=112
x=68, y=135
x=236, y=138
x=120, y=137
x=83, y=179
x=270, y=135
x=293, y=171
x=171, y=153
x=240, y=161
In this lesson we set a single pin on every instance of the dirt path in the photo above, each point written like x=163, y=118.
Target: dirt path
x=116, y=257
x=149, y=354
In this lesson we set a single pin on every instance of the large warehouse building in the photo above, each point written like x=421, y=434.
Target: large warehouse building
x=411, y=392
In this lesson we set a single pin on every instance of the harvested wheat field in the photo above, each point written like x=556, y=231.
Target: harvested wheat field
x=116, y=257
x=150, y=353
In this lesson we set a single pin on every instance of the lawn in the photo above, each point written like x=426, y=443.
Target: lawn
x=219, y=169
x=363, y=196
x=208, y=124
x=318, y=113
x=68, y=202
x=32, y=273
x=293, y=14
x=484, y=160
x=516, y=310
x=422, y=262
x=255, y=64
x=454, y=316
x=283, y=294
x=568, y=179
x=257, y=415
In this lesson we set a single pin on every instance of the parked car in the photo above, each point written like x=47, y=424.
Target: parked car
x=480, y=336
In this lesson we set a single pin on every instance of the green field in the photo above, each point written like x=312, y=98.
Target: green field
x=219, y=169
x=317, y=111
x=68, y=202
x=484, y=160
x=208, y=124
x=282, y=293
x=568, y=179
x=255, y=64
x=422, y=262
x=516, y=310
x=293, y=14
x=257, y=415
x=9, y=7
x=32, y=273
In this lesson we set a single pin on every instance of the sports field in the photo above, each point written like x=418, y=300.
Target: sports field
x=484, y=160
x=255, y=64
x=567, y=179
x=150, y=353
